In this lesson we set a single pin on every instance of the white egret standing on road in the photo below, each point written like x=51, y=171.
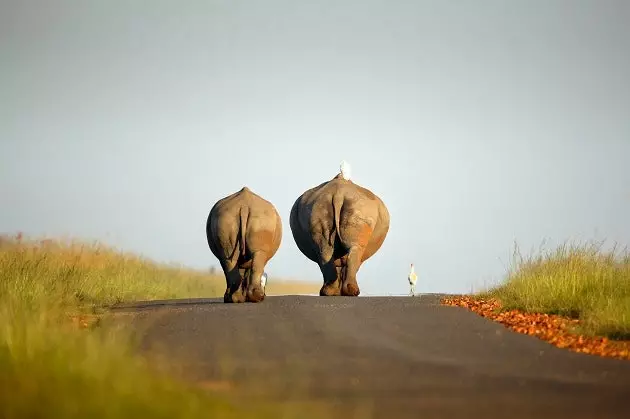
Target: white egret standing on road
x=413, y=278
x=263, y=280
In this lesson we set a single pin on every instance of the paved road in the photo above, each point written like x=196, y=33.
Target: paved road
x=378, y=357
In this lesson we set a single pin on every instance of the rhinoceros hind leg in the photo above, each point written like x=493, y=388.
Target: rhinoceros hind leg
x=349, y=286
x=234, y=280
x=255, y=291
x=332, y=282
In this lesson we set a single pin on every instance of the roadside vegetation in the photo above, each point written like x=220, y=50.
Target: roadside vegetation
x=582, y=281
x=58, y=360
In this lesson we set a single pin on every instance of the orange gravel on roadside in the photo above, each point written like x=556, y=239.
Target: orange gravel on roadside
x=557, y=330
x=84, y=321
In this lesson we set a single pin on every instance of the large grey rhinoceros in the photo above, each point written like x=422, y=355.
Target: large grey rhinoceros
x=339, y=225
x=244, y=232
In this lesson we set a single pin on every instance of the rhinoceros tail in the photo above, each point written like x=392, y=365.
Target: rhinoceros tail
x=244, y=214
x=337, y=203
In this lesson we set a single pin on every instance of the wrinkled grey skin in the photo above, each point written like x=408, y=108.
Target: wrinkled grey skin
x=244, y=232
x=339, y=225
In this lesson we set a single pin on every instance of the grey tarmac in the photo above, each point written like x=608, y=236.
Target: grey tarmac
x=376, y=357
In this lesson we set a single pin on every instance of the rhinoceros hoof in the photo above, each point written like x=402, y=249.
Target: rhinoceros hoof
x=329, y=291
x=236, y=297
x=350, y=290
x=255, y=296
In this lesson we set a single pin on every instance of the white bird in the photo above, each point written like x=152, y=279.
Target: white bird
x=345, y=170
x=263, y=280
x=412, y=278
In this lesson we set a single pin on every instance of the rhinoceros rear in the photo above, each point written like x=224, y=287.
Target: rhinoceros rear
x=339, y=225
x=244, y=232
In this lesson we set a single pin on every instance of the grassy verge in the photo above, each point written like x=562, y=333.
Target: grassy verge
x=283, y=287
x=582, y=281
x=50, y=367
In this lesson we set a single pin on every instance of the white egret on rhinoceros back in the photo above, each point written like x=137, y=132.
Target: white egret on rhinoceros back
x=345, y=170
x=244, y=232
x=339, y=225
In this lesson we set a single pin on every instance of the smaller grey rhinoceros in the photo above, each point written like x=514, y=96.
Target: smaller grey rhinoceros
x=244, y=232
x=339, y=225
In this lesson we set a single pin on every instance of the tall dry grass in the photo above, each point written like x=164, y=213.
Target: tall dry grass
x=580, y=280
x=74, y=273
x=51, y=368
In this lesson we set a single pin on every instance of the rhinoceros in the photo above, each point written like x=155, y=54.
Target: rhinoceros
x=244, y=232
x=339, y=225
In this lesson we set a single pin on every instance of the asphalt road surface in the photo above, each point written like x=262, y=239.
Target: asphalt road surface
x=377, y=357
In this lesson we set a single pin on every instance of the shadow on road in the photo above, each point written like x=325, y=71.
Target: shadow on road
x=182, y=302
x=137, y=305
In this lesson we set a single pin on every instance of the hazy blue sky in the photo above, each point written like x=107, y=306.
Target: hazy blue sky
x=477, y=122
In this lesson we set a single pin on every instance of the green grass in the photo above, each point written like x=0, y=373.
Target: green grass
x=582, y=280
x=50, y=367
